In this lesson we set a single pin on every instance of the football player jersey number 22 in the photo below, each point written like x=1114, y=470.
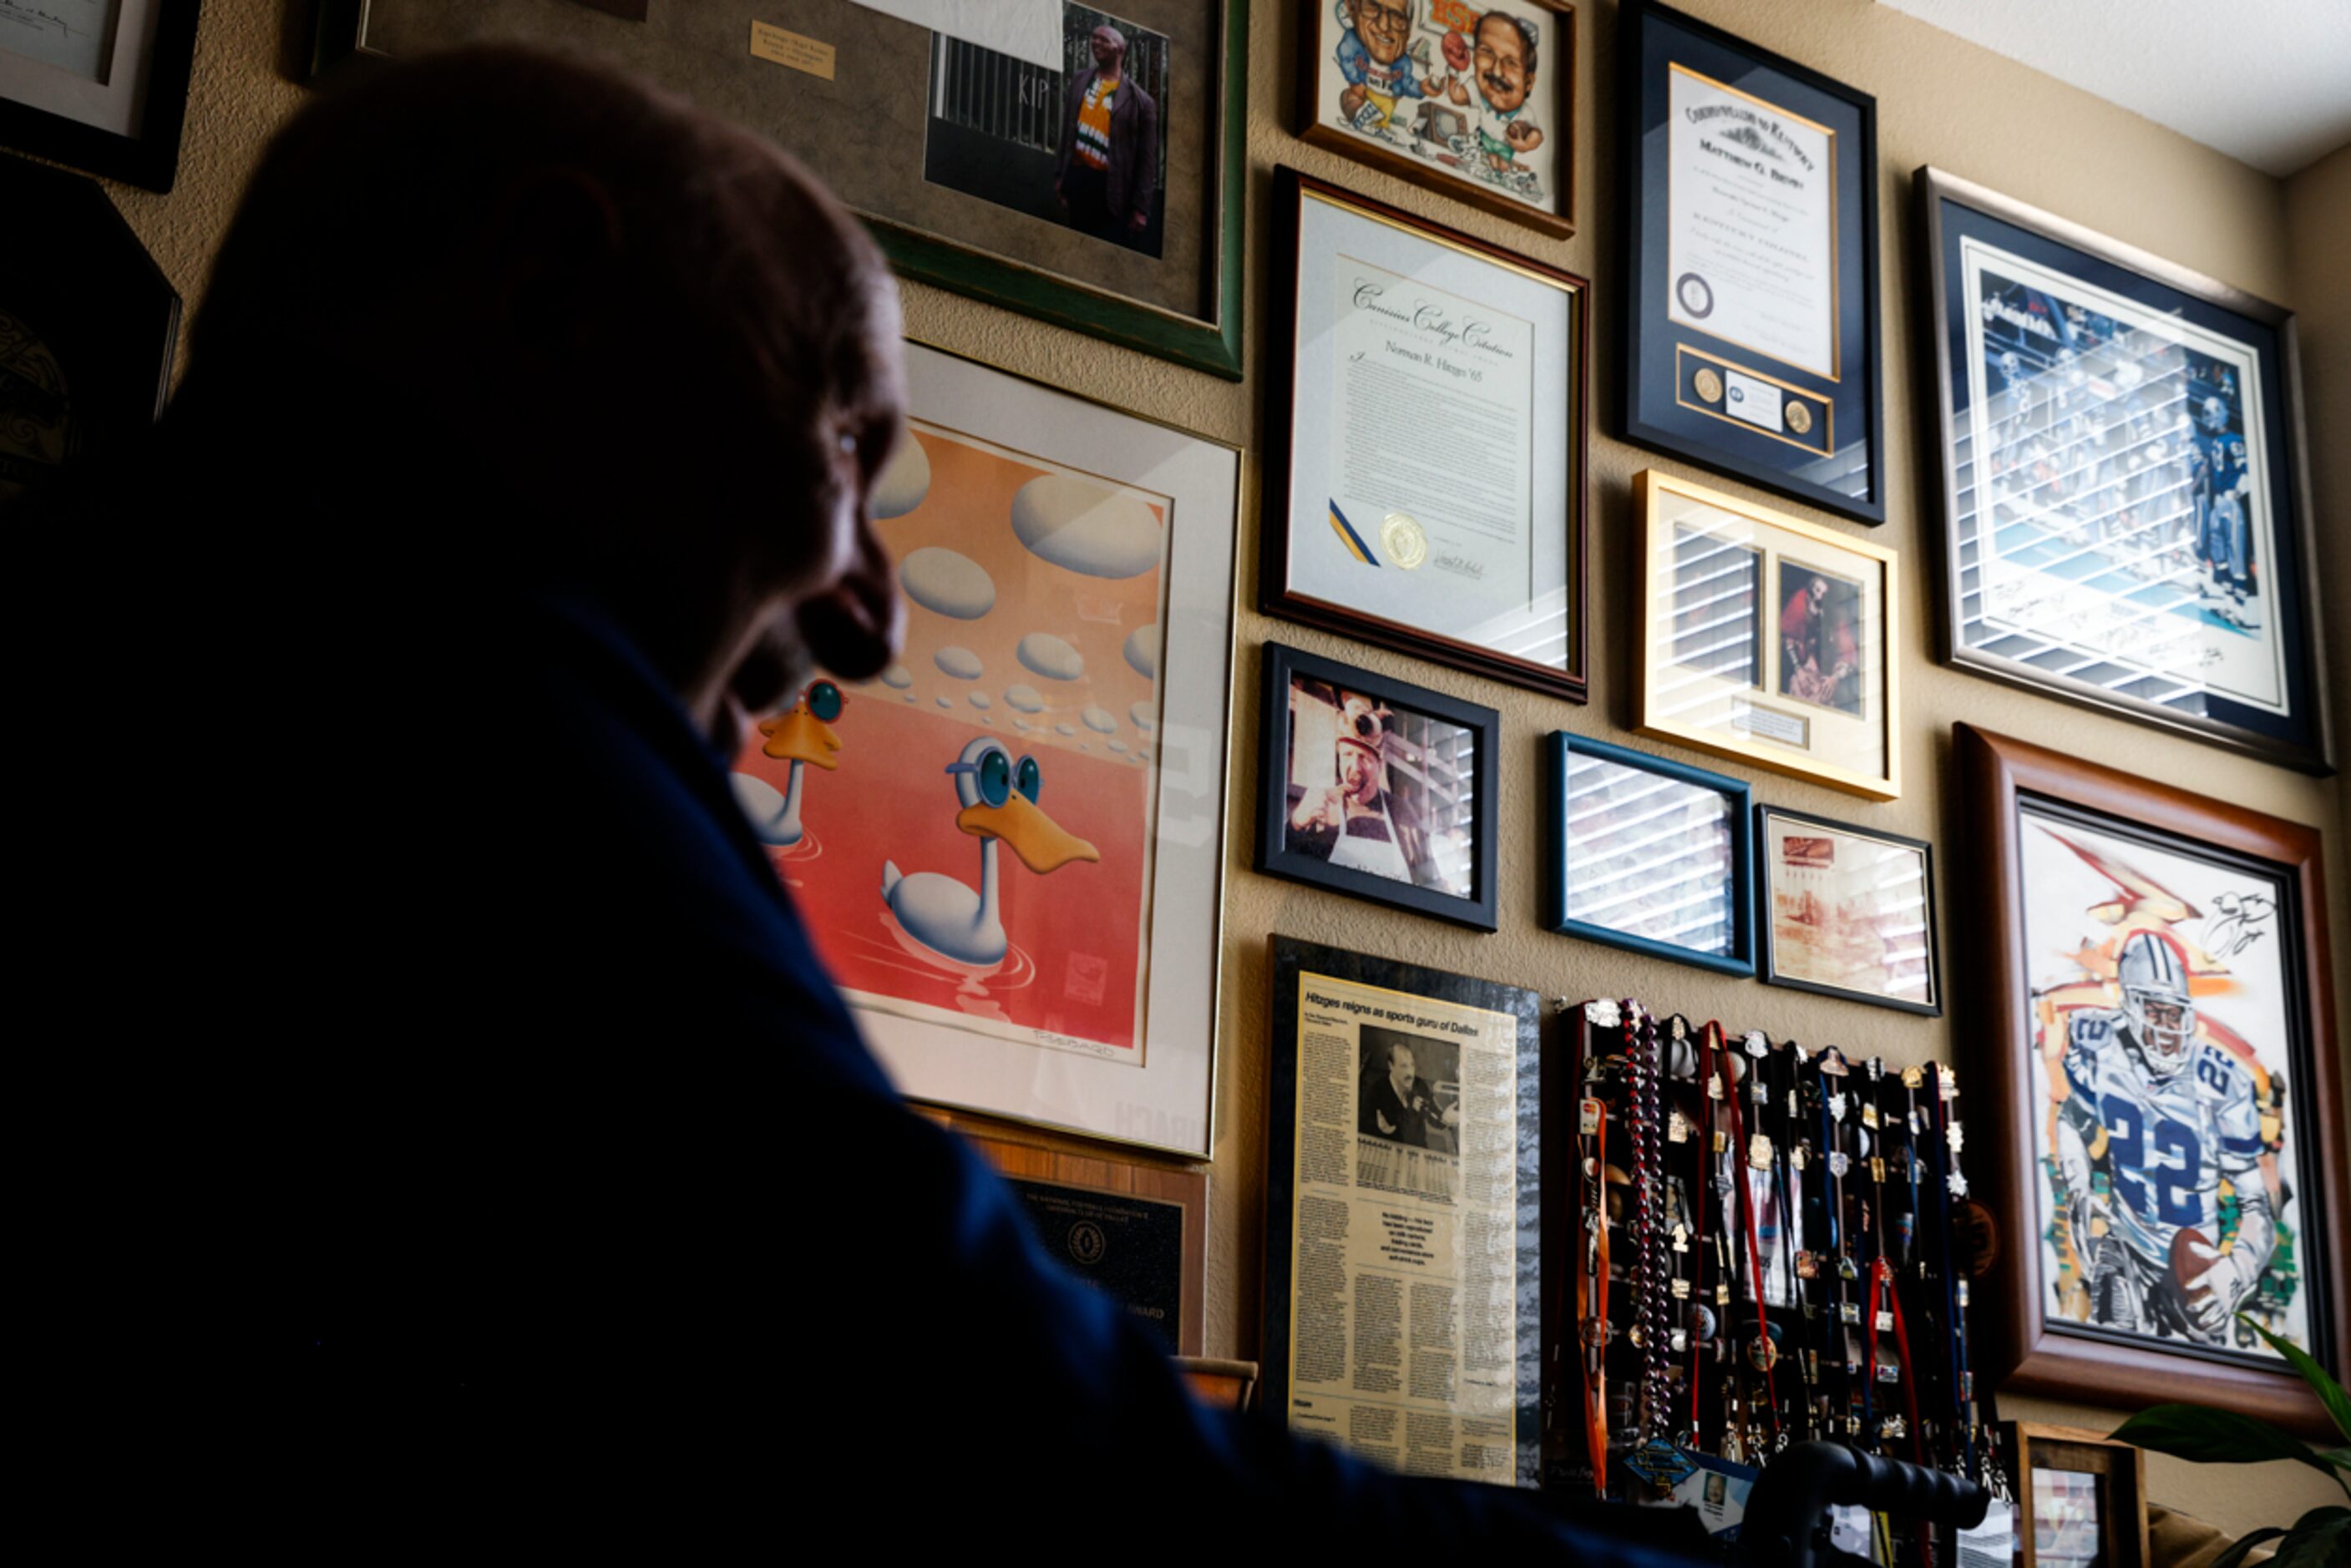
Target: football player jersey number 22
x=2129, y=1141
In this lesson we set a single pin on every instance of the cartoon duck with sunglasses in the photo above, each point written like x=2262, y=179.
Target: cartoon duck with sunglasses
x=803, y=733
x=999, y=801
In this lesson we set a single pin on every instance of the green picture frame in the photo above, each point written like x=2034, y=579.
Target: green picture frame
x=1208, y=340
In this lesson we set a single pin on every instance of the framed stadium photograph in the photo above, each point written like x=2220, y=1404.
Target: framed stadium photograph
x=1748, y=206
x=1377, y=789
x=2167, y=1152
x=1474, y=99
x=2126, y=494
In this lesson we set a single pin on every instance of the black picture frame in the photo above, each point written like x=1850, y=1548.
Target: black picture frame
x=1284, y=667
x=1832, y=455
x=150, y=159
x=1295, y=963
x=89, y=325
x=1767, y=969
x=2123, y=565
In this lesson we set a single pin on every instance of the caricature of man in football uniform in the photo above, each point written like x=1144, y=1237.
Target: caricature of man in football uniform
x=2164, y=1117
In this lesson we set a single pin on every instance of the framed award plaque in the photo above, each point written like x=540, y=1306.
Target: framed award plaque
x=2127, y=515
x=1750, y=232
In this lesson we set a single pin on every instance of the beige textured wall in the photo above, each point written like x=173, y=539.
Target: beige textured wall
x=1940, y=100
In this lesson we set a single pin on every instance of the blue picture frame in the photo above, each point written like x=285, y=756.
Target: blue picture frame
x=1737, y=952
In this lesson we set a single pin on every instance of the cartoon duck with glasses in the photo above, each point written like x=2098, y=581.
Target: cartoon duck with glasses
x=802, y=734
x=999, y=797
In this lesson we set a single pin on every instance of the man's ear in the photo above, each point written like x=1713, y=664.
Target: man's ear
x=554, y=244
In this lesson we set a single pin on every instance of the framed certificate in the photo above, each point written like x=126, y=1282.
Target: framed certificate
x=1403, y=1227
x=1750, y=232
x=1474, y=102
x=1847, y=912
x=1768, y=639
x=1426, y=476
x=100, y=84
x=2126, y=509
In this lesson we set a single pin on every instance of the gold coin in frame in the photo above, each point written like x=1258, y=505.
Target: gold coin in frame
x=1709, y=386
x=1406, y=540
x=1799, y=416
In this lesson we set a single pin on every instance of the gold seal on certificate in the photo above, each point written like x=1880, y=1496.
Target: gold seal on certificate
x=1799, y=416
x=1407, y=542
x=1708, y=385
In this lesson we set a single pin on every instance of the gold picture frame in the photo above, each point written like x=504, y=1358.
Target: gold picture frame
x=1768, y=639
x=2082, y=1496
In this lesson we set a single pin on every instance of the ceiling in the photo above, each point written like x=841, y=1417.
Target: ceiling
x=2266, y=81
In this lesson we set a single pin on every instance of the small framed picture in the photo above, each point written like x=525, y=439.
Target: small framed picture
x=1847, y=912
x=1377, y=789
x=2084, y=1499
x=1648, y=854
x=101, y=85
x=1473, y=101
x=1768, y=639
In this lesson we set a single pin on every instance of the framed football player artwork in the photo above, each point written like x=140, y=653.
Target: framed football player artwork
x=2125, y=500
x=1748, y=206
x=1474, y=99
x=2167, y=1153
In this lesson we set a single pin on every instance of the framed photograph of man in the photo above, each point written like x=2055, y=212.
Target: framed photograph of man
x=1768, y=638
x=2168, y=1147
x=1079, y=164
x=1472, y=99
x=1847, y=912
x=1748, y=206
x=1378, y=789
x=1648, y=854
x=2125, y=501
x=1404, y=1181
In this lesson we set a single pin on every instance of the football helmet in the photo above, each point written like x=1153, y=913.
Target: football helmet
x=2216, y=415
x=2154, y=977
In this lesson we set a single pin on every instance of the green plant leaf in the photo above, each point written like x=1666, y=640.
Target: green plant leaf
x=2244, y=1544
x=2330, y=1393
x=2320, y=1539
x=2212, y=1437
x=2339, y=1458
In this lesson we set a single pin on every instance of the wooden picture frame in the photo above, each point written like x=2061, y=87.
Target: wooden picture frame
x=1406, y=566
x=1409, y=754
x=2053, y=1464
x=1813, y=690
x=2124, y=478
x=1732, y=357
x=1346, y=1027
x=1618, y=782
x=1421, y=154
x=2113, y=873
x=1825, y=894
x=113, y=102
x=1001, y=246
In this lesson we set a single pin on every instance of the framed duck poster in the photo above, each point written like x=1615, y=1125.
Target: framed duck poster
x=1008, y=847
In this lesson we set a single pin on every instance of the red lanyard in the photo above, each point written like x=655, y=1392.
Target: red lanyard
x=1879, y=1273
x=1747, y=1212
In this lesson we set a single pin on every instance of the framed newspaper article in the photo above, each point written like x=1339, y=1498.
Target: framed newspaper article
x=2167, y=1160
x=1402, y=1313
x=2125, y=501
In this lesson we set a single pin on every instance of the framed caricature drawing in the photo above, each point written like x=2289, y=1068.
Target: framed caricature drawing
x=2168, y=1155
x=1007, y=847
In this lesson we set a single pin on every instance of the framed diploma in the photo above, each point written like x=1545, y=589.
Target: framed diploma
x=1402, y=1313
x=1474, y=102
x=2125, y=501
x=1378, y=789
x=1007, y=846
x=1847, y=912
x=1750, y=232
x=1426, y=456
x=2168, y=1159
x=1648, y=854
x=99, y=84
x=1768, y=639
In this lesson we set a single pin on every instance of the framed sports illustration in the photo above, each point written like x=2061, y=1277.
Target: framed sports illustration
x=2167, y=1147
x=1425, y=461
x=1007, y=846
x=1473, y=101
x=1847, y=912
x=1092, y=180
x=1749, y=215
x=2125, y=501
x=1647, y=855
x=1374, y=788
x=1768, y=638
x=1404, y=1313
x=101, y=85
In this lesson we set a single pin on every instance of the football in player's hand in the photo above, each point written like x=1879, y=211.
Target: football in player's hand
x=1456, y=51
x=2192, y=1257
